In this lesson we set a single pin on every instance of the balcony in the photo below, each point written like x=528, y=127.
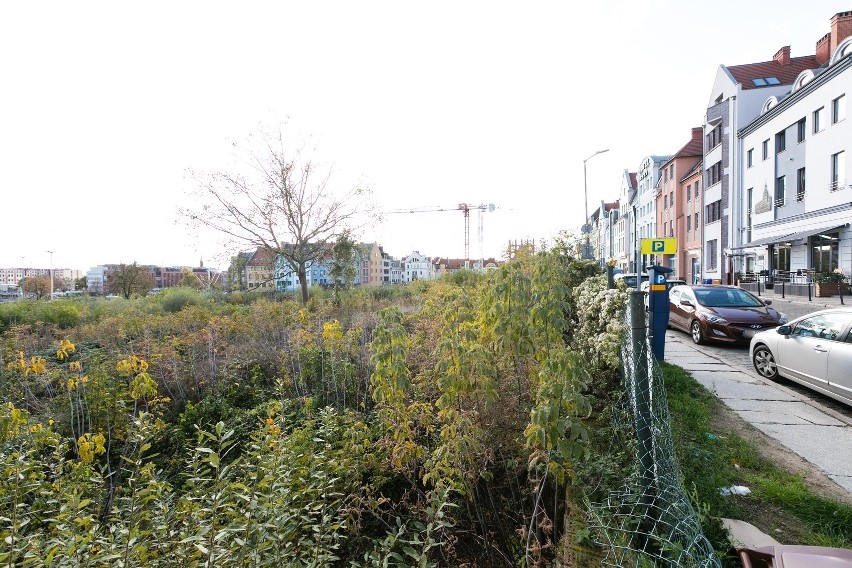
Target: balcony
x=836, y=185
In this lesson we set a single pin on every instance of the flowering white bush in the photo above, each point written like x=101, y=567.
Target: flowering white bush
x=600, y=312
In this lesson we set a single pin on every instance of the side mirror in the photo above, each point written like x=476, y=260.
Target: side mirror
x=685, y=302
x=767, y=302
x=783, y=329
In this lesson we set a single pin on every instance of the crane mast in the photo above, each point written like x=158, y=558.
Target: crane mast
x=465, y=208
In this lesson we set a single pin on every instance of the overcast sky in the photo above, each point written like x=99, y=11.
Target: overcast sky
x=104, y=106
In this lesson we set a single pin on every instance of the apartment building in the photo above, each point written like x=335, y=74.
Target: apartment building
x=797, y=199
x=675, y=200
x=625, y=238
x=741, y=94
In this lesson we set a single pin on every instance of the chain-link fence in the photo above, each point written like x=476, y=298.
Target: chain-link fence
x=650, y=521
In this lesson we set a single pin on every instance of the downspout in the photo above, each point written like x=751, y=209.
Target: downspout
x=702, y=252
x=733, y=229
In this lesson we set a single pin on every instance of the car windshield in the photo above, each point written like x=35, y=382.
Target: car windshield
x=727, y=298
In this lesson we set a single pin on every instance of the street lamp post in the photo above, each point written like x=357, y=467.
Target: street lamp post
x=50, y=298
x=587, y=227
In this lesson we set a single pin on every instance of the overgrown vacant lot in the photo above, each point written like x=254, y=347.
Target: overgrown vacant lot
x=449, y=423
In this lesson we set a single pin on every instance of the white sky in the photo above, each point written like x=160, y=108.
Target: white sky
x=105, y=105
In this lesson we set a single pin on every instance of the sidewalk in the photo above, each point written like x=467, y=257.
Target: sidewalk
x=821, y=436
x=829, y=302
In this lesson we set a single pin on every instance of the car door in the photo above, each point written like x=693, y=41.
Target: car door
x=840, y=365
x=803, y=355
x=685, y=312
x=675, y=309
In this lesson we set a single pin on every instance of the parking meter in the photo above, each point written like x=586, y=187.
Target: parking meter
x=658, y=309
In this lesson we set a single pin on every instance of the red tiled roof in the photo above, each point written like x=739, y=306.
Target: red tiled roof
x=261, y=257
x=785, y=73
x=694, y=147
x=633, y=179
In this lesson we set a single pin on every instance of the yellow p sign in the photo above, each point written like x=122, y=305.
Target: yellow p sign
x=659, y=246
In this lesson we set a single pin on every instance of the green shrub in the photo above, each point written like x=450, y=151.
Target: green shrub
x=175, y=299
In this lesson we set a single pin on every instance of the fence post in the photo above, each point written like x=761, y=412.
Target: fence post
x=809, y=290
x=782, y=289
x=642, y=385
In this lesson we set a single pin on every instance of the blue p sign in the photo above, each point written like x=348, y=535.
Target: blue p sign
x=658, y=246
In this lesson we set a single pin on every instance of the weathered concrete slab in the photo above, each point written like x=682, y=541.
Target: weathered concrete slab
x=844, y=481
x=781, y=412
x=746, y=535
x=729, y=389
x=830, y=448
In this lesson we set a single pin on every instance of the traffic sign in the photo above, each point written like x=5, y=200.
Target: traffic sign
x=659, y=246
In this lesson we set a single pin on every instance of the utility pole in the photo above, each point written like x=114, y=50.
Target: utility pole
x=50, y=299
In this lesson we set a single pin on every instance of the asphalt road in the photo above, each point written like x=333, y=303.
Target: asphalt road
x=737, y=357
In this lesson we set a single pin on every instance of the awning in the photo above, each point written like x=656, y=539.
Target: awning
x=805, y=234
x=765, y=241
x=791, y=237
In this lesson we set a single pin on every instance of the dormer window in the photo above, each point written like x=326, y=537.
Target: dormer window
x=765, y=81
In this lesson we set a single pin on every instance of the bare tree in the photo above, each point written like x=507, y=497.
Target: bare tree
x=283, y=204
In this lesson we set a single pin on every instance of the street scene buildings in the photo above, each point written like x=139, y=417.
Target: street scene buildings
x=760, y=189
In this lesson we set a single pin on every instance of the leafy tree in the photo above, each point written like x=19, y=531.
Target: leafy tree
x=128, y=279
x=80, y=283
x=38, y=286
x=345, y=255
x=283, y=205
x=190, y=280
x=236, y=271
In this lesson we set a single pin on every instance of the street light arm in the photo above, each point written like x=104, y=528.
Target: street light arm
x=595, y=154
x=586, y=225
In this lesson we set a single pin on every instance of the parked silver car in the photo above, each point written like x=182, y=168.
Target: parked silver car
x=814, y=350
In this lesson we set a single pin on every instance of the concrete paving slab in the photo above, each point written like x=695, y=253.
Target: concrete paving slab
x=703, y=366
x=724, y=373
x=746, y=535
x=728, y=389
x=766, y=411
x=834, y=458
x=844, y=481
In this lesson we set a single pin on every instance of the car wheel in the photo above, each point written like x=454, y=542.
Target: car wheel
x=764, y=362
x=697, y=336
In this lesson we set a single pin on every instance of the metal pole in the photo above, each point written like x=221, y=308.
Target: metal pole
x=586, y=218
x=586, y=225
x=50, y=299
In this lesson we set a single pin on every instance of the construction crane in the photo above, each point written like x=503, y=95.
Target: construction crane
x=465, y=208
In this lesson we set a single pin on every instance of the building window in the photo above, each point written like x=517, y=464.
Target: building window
x=688, y=192
x=825, y=252
x=801, y=126
x=750, y=158
x=713, y=212
x=800, y=184
x=665, y=175
x=671, y=171
x=688, y=224
x=838, y=109
x=712, y=261
x=780, y=190
x=696, y=221
x=838, y=171
x=665, y=202
x=671, y=228
x=780, y=141
x=765, y=147
x=818, y=119
x=671, y=198
x=714, y=173
x=714, y=138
